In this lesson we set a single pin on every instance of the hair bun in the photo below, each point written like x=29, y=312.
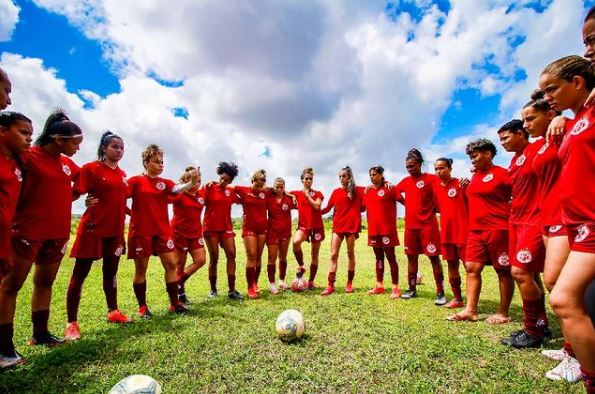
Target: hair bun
x=537, y=94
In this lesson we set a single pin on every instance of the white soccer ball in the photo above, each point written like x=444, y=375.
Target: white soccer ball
x=136, y=384
x=290, y=325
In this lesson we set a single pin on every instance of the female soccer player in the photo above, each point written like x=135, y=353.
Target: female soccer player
x=150, y=232
x=279, y=206
x=347, y=202
x=187, y=231
x=380, y=202
x=5, y=89
x=421, y=227
x=488, y=194
x=451, y=198
x=100, y=233
x=566, y=83
x=310, y=226
x=42, y=228
x=218, y=229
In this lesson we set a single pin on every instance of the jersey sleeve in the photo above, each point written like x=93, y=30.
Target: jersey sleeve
x=330, y=205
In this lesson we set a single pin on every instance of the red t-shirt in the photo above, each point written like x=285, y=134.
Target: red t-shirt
x=547, y=167
x=149, y=216
x=524, y=206
x=381, y=210
x=577, y=153
x=279, y=213
x=451, y=200
x=420, y=211
x=347, y=215
x=218, y=208
x=308, y=217
x=45, y=204
x=10, y=187
x=187, y=210
x=489, y=199
x=110, y=188
x=255, y=208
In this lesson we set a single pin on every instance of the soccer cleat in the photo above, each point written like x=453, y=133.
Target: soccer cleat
x=47, y=339
x=212, y=294
x=10, y=360
x=328, y=291
x=569, y=369
x=452, y=304
x=179, y=309
x=256, y=288
x=440, y=300
x=116, y=316
x=283, y=285
x=555, y=354
x=349, y=288
x=72, y=332
x=311, y=285
x=273, y=289
x=376, y=290
x=409, y=294
x=525, y=340
x=395, y=294
x=235, y=295
x=300, y=272
x=251, y=293
x=144, y=312
x=183, y=298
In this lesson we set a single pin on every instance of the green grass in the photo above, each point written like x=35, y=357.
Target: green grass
x=353, y=342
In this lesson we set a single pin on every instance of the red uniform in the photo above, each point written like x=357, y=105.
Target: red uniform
x=577, y=153
x=10, y=188
x=527, y=250
x=347, y=215
x=421, y=227
x=381, y=212
x=150, y=232
x=489, y=208
x=451, y=200
x=42, y=220
x=106, y=218
x=217, y=218
x=186, y=224
x=254, y=219
x=309, y=219
x=279, y=221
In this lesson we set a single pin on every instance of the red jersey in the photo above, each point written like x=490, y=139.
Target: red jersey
x=451, y=200
x=280, y=213
x=109, y=186
x=524, y=206
x=255, y=208
x=149, y=216
x=218, y=208
x=577, y=153
x=10, y=187
x=489, y=199
x=187, y=210
x=381, y=210
x=420, y=211
x=45, y=204
x=308, y=217
x=547, y=167
x=347, y=215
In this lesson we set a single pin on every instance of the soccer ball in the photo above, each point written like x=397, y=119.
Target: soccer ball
x=136, y=384
x=290, y=325
x=299, y=284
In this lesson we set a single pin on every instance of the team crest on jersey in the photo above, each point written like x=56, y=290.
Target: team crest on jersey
x=63, y=251
x=542, y=150
x=170, y=244
x=311, y=193
x=452, y=192
x=580, y=126
x=431, y=248
x=227, y=193
x=554, y=229
x=488, y=177
x=285, y=207
x=119, y=250
x=201, y=242
x=160, y=185
x=503, y=260
x=18, y=174
x=524, y=256
x=261, y=195
x=380, y=193
x=318, y=237
x=385, y=240
x=66, y=169
x=521, y=160
x=582, y=233
x=420, y=184
x=201, y=200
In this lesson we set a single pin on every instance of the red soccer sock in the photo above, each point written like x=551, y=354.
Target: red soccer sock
x=110, y=282
x=75, y=287
x=231, y=282
x=412, y=278
x=394, y=271
x=589, y=380
x=271, y=272
x=568, y=349
x=313, y=271
x=455, y=285
x=543, y=321
x=282, y=269
x=379, y=270
x=213, y=282
x=350, y=276
x=257, y=273
x=40, y=322
x=531, y=310
x=172, y=292
x=140, y=291
x=331, y=278
x=299, y=257
x=6, y=336
x=250, y=276
x=439, y=279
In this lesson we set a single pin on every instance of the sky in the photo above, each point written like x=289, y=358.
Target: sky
x=283, y=85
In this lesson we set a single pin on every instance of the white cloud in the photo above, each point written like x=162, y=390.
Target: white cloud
x=9, y=17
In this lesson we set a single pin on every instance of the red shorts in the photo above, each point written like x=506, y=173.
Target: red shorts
x=582, y=238
x=344, y=235
x=219, y=235
x=252, y=233
x=488, y=246
x=46, y=251
x=526, y=248
x=87, y=246
x=188, y=243
x=384, y=241
x=140, y=247
x=554, y=231
x=422, y=241
x=274, y=237
x=452, y=252
x=315, y=235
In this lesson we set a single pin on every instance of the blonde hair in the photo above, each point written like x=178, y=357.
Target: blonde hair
x=151, y=151
x=257, y=174
x=185, y=176
x=307, y=170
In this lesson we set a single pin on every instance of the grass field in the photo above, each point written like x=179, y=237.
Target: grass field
x=353, y=343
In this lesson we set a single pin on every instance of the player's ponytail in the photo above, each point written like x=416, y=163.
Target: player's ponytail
x=57, y=125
